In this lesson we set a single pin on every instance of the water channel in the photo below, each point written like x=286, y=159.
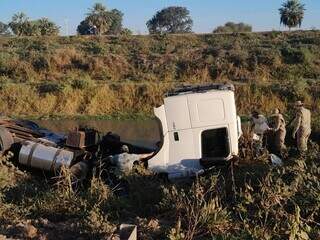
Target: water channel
x=139, y=132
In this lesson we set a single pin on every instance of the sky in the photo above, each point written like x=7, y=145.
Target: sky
x=263, y=15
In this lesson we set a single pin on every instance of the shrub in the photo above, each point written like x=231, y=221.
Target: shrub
x=268, y=57
x=295, y=89
x=41, y=63
x=5, y=59
x=238, y=57
x=82, y=83
x=296, y=56
x=199, y=210
x=66, y=58
x=50, y=88
x=94, y=47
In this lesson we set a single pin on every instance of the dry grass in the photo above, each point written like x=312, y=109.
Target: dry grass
x=268, y=203
x=110, y=75
x=23, y=100
x=126, y=98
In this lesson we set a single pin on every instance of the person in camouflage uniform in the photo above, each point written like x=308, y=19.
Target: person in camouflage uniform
x=302, y=126
x=279, y=129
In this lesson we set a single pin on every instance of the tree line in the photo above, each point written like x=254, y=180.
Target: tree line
x=21, y=25
x=101, y=21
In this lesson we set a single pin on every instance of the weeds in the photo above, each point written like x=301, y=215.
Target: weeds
x=270, y=203
x=199, y=210
x=121, y=65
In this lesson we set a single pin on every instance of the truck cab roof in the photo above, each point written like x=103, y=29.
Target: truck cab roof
x=200, y=89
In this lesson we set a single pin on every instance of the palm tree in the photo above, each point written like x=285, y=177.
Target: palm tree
x=19, y=24
x=292, y=13
x=46, y=27
x=99, y=18
x=20, y=17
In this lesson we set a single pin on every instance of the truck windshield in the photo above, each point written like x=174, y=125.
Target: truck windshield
x=215, y=143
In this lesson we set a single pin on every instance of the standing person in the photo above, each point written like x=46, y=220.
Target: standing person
x=302, y=126
x=279, y=129
x=259, y=126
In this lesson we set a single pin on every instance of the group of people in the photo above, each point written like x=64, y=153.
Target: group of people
x=301, y=129
x=264, y=133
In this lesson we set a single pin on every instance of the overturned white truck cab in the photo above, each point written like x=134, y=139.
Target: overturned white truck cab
x=199, y=128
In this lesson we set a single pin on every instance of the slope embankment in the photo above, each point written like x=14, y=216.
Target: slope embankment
x=72, y=76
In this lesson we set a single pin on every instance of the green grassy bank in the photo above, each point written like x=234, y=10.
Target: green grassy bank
x=118, y=76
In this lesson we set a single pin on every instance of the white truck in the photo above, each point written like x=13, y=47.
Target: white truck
x=199, y=127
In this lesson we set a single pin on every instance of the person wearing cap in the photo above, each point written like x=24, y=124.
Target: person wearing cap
x=125, y=160
x=302, y=126
x=279, y=130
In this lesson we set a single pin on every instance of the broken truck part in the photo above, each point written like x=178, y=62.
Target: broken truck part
x=48, y=158
x=199, y=127
x=35, y=147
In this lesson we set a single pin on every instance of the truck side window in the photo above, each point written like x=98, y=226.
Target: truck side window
x=215, y=143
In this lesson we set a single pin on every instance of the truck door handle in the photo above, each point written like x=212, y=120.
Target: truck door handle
x=176, y=136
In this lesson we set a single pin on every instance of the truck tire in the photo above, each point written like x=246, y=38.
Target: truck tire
x=80, y=171
x=6, y=140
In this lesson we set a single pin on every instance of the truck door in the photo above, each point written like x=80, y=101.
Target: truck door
x=181, y=150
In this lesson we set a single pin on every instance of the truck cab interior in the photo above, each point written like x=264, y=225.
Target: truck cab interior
x=215, y=145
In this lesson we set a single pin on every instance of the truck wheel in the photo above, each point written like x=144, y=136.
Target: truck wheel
x=6, y=140
x=80, y=171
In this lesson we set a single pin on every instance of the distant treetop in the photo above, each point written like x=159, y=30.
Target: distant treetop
x=292, y=13
x=231, y=27
x=22, y=26
x=46, y=27
x=100, y=21
x=171, y=20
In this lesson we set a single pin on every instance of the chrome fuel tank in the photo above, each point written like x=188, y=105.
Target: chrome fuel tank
x=43, y=157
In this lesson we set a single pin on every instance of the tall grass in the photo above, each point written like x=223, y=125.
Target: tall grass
x=265, y=203
x=107, y=75
x=132, y=98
